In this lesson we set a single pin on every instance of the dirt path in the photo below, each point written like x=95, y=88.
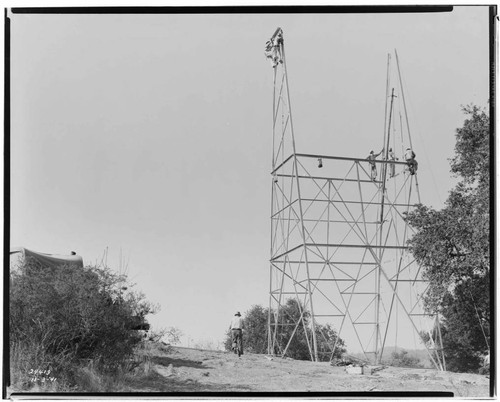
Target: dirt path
x=193, y=370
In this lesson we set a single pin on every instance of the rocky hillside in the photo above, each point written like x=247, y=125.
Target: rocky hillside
x=187, y=370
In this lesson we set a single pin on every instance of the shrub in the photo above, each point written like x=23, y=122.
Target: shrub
x=62, y=316
x=173, y=335
x=255, y=333
x=484, y=370
x=403, y=359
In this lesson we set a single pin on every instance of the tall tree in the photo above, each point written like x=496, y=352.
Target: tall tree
x=256, y=329
x=453, y=247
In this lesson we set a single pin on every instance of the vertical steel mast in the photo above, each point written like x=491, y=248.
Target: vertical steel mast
x=339, y=256
x=287, y=211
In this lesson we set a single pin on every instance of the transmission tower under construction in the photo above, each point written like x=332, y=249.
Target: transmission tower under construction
x=339, y=239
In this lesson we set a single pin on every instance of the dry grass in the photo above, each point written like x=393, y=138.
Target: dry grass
x=83, y=376
x=34, y=370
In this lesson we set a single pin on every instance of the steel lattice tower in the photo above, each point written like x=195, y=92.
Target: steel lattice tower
x=338, y=243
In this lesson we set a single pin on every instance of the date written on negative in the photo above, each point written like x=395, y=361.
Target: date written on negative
x=37, y=375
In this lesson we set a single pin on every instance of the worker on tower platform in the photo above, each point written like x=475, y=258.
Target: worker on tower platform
x=373, y=166
x=273, y=49
x=269, y=52
x=278, y=41
x=410, y=160
x=392, y=166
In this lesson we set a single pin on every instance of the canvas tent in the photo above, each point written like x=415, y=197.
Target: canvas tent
x=50, y=260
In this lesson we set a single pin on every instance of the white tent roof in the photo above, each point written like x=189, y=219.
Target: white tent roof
x=49, y=259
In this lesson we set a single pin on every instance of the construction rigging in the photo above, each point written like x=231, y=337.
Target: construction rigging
x=338, y=239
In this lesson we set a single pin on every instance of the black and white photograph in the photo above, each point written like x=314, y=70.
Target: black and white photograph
x=249, y=201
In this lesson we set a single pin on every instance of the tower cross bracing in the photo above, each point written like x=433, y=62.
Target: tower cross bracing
x=339, y=245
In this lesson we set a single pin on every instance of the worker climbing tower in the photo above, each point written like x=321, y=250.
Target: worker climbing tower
x=339, y=254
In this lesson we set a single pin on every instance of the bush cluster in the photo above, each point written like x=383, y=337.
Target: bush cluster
x=403, y=359
x=64, y=316
x=255, y=334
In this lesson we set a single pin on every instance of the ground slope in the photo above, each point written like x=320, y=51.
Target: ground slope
x=194, y=370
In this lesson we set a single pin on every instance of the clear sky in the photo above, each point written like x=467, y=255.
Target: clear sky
x=150, y=135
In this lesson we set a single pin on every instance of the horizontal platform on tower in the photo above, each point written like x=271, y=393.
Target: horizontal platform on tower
x=358, y=293
x=359, y=202
x=329, y=315
x=328, y=280
x=339, y=245
x=328, y=178
x=327, y=262
x=288, y=293
x=341, y=158
x=277, y=214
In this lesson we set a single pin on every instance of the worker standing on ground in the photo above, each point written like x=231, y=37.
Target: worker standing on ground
x=373, y=166
x=236, y=328
x=410, y=160
x=392, y=157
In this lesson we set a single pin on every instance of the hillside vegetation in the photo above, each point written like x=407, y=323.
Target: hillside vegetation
x=68, y=324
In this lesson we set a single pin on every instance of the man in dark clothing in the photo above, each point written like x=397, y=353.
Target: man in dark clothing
x=236, y=328
x=410, y=160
